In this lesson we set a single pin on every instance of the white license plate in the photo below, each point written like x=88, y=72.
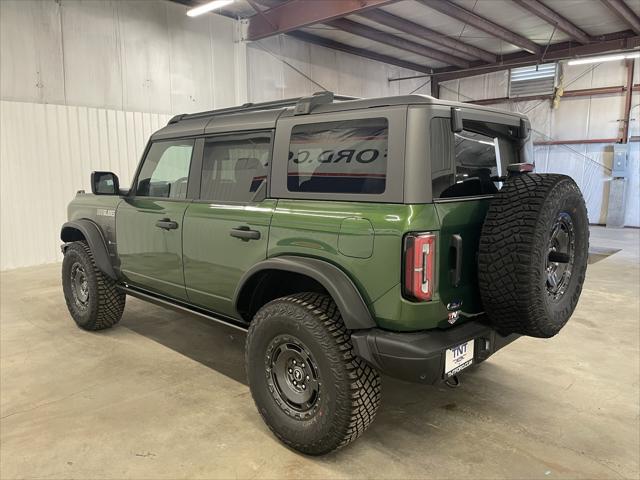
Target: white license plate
x=458, y=358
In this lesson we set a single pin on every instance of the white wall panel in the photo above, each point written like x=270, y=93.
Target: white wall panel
x=271, y=78
x=31, y=51
x=140, y=55
x=47, y=153
x=146, y=60
x=93, y=71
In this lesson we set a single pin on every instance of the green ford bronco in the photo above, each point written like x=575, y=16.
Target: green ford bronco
x=349, y=237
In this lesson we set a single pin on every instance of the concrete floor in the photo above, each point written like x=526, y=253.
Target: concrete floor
x=163, y=395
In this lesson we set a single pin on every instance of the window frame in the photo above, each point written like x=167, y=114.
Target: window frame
x=396, y=117
x=231, y=136
x=469, y=114
x=196, y=153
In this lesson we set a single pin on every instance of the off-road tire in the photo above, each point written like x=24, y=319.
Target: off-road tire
x=514, y=254
x=349, y=392
x=105, y=303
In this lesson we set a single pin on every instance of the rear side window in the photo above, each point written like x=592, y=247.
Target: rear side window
x=470, y=163
x=165, y=171
x=339, y=157
x=235, y=169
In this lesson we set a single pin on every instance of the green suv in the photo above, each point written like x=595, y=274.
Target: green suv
x=350, y=237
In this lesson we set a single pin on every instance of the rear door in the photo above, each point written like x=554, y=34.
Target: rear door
x=149, y=221
x=465, y=169
x=226, y=229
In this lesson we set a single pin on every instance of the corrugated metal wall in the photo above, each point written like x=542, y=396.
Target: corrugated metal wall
x=48, y=152
x=576, y=118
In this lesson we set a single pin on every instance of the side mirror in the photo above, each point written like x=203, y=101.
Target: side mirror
x=456, y=120
x=104, y=183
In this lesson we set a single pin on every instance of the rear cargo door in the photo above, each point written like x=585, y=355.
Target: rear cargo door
x=465, y=170
x=461, y=223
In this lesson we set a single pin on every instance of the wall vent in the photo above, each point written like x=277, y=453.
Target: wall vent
x=534, y=80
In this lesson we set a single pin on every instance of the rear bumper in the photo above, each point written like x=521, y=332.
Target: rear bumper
x=420, y=356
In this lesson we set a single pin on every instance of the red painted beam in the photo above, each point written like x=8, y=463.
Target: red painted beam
x=554, y=53
x=554, y=18
x=624, y=12
x=445, y=43
x=590, y=92
x=365, y=31
x=577, y=142
x=626, y=120
x=584, y=92
x=454, y=11
x=296, y=14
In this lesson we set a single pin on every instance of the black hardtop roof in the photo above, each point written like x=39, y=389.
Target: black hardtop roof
x=254, y=116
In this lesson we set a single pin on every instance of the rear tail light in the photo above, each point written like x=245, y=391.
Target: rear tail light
x=419, y=255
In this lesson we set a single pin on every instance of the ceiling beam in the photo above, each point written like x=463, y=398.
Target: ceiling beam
x=554, y=18
x=625, y=13
x=298, y=14
x=447, y=44
x=328, y=43
x=554, y=53
x=487, y=26
x=361, y=30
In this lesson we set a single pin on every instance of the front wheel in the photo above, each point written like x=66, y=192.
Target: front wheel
x=92, y=297
x=311, y=390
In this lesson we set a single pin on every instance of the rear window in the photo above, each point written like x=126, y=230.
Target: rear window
x=469, y=163
x=339, y=157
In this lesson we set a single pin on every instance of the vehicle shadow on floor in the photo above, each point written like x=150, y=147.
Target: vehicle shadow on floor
x=409, y=410
x=216, y=346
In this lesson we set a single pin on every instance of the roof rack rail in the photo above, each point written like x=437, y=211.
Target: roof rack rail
x=303, y=105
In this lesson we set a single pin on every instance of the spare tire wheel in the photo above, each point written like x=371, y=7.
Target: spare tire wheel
x=533, y=254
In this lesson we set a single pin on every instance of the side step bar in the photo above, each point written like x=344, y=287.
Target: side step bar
x=182, y=307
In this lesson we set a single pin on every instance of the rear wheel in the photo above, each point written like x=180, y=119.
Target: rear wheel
x=310, y=388
x=92, y=297
x=533, y=254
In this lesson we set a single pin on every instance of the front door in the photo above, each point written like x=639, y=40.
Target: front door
x=226, y=231
x=149, y=223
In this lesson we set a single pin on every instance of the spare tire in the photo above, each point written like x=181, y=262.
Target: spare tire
x=533, y=254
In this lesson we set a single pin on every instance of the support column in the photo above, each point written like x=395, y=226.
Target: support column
x=617, y=189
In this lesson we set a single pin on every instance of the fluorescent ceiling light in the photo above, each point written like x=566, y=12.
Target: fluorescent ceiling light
x=208, y=7
x=607, y=58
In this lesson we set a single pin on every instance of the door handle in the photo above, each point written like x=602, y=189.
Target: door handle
x=244, y=233
x=167, y=224
x=456, y=250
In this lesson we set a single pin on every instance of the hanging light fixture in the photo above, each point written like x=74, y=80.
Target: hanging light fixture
x=208, y=7
x=606, y=58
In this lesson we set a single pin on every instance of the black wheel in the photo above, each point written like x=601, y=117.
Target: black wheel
x=92, y=297
x=533, y=254
x=310, y=388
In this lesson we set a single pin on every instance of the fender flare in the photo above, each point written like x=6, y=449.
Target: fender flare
x=354, y=310
x=94, y=238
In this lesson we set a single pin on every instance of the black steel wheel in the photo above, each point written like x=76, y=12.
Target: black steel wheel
x=311, y=390
x=92, y=297
x=294, y=380
x=561, y=256
x=79, y=286
x=532, y=257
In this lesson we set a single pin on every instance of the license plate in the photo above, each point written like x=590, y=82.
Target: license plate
x=458, y=358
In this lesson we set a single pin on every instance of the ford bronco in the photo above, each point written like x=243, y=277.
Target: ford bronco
x=349, y=237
